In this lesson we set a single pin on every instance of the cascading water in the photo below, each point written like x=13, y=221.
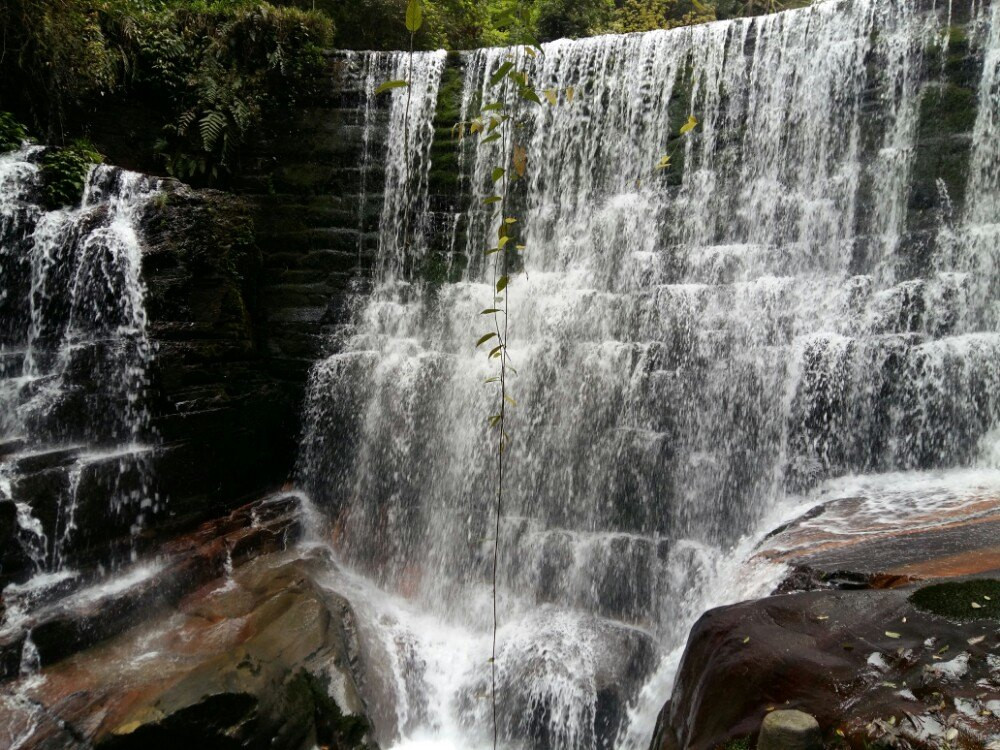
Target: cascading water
x=74, y=354
x=693, y=348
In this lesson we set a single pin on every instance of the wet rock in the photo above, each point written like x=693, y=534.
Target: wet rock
x=106, y=608
x=261, y=659
x=867, y=663
x=848, y=543
x=789, y=730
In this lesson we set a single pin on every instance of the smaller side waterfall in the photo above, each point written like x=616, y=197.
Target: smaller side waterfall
x=74, y=358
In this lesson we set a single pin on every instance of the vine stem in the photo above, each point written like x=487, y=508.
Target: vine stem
x=502, y=341
x=406, y=145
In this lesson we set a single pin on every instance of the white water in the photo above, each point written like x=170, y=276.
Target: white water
x=697, y=351
x=74, y=357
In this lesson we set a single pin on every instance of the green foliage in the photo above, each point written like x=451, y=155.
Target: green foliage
x=573, y=18
x=646, y=15
x=464, y=24
x=64, y=173
x=57, y=52
x=221, y=66
x=960, y=600
x=209, y=69
x=12, y=133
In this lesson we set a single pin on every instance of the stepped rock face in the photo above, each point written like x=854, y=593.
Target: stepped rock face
x=808, y=293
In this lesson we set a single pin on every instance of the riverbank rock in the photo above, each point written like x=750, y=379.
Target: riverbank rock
x=789, y=730
x=261, y=658
x=869, y=665
x=885, y=630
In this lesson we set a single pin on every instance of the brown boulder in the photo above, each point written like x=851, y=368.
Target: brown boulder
x=261, y=659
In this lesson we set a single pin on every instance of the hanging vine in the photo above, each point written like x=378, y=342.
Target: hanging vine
x=500, y=121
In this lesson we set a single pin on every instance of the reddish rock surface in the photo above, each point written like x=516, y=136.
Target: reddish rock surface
x=260, y=656
x=864, y=662
x=938, y=533
x=842, y=641
x=78, y=619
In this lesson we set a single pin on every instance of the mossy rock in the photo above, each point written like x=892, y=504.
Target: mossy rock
x=948, y=110
x=955, y=599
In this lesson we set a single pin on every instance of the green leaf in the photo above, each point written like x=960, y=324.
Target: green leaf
x=493, y=107
x=664, y=162
x=491, y=311
x=494, y=379
x=502, y=283
x=498, y=173
x=390, y=85
x=492, y=199
x=503, y=242
x=484, y=338
x=510, y=400
x=495, y=352
x=687, y=127
x=530, y=94
x=501, y=72
x=510, y=220
x=494, y=421
x=414, y=16
x=553, y=96
x=491, y=138
x=491, y=251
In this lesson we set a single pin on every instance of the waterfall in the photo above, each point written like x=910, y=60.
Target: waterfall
x=74, y=357
x=788, y=304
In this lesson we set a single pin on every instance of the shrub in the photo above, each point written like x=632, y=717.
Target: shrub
x=64, y=173
x=12, y=133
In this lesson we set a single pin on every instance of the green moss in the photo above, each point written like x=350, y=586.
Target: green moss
x=64, y=173
x=948, y=109
x=12, y=133
x=308, y=699
x=957, y=37
x=449, y=106
x=740, y=743
x=954, y=600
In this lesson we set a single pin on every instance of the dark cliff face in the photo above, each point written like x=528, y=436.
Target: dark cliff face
x=226, y=425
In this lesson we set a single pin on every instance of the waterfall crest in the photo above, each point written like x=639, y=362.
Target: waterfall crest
x=793, y=302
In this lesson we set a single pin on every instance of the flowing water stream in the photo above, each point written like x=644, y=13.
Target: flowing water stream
x=697, y=350
x=74, y=358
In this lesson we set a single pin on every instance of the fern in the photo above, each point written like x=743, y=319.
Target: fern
x=212, y=127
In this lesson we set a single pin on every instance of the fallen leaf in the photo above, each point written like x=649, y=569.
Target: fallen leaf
x=890, y=634
x=977, y=639
x=977, y=605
